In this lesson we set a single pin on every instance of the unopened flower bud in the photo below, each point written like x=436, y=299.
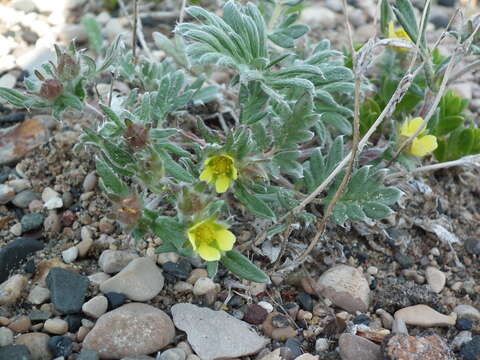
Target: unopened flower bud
x=51, y=89
x=136, y=136
x=128, y=210
x=67, y=67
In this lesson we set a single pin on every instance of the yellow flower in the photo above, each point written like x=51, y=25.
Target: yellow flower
x=399, y=33
x=210, y=238
x=221, y=170
x=422, y=144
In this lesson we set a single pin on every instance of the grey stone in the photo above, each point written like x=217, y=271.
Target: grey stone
x=6, y=336
x=32, y=222
x=112, y=261
x=12, y=254
x=140, y=280
x=216, y=334
x=172, y=354
x=353, y=347
x=24, y=198
x=67, y=289
x=17, y=352
x=36, y=344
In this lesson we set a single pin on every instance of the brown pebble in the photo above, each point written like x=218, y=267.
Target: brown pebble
x=82, y=332
x=106, y=226
x=197, y=274
x=20, y=324
x=282, y=334
x=4, y=321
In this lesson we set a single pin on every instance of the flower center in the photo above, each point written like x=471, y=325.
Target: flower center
x=205, y=235
x=221, y=166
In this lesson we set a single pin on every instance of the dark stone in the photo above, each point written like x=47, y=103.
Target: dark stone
x=60, y=346
x=472, y=246
x=180, y=270
x=405, y=261
x=471, y=350
x=235, y=301
x=305, y=301
x=255, y=314
x=464, y=324
x=449, y=3
x=30, y=267
x=12, y=254
x=115, y=300
x=68, y=290
x=32, y=222
x=295, y=346
x=74, y=322
x=397, y=293
x=87, y=354
x=373, y=284
x=361, y=319
x=280, y=321
x=39, y=315
x=15, y=352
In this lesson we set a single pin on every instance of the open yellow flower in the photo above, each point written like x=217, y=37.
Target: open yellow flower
x=210, y=238
x=422, y=144
x=398, y=33
x=221, y=170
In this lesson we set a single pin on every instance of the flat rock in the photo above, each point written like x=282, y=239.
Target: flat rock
x=424, y=347
x=435, y=278
x=17, y=140
x=112, y=261
x=32, y=222
x=424, y=316
x=36, y=344
x=67, y=290
x=17, y=352
x=132, y=329
x=353, y=347
x=95, y=307
x=216, y=334
x=11, y=290
x=23, y=198
x=346, y=287
x=140, y=280
x=12, y=254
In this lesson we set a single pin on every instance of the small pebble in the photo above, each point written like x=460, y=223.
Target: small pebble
x=255, y=314
x=60, y=346
x=90, y=182
x=266, y=305
x=464, y=324
x=322, y=345
x=172, y=354
x=96, y=306
x=20, y=324
x=70, y=255
x=203, y=286
x=56, y=326
x=115, y=300
x=197, y=274
x=38, y=295
x=6, y=336
x=182, y=287
x=305, y=301
x=31, y=222
x=361, y=319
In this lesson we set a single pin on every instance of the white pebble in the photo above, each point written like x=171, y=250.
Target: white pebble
x=266, y=305
x=38, y=295
x=54, y=203
x=16, y=229
x=322, y=345
x=70, y=255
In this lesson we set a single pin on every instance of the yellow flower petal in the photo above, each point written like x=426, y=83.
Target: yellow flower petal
x=409, y=127
x=222, y=183
x=192, y=239
x=208, y=253
x=234, y=173
x=206, y=175
x=391, y=30
x=423, y=145
x=225, y=240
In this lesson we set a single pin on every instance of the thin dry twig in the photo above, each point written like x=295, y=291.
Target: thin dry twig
x=137, y=25
x=182, y=11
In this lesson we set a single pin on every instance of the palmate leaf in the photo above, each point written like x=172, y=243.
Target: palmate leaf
x=237, y=38
x=365, y=197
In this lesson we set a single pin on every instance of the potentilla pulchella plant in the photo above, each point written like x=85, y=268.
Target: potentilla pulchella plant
x=288, y=133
